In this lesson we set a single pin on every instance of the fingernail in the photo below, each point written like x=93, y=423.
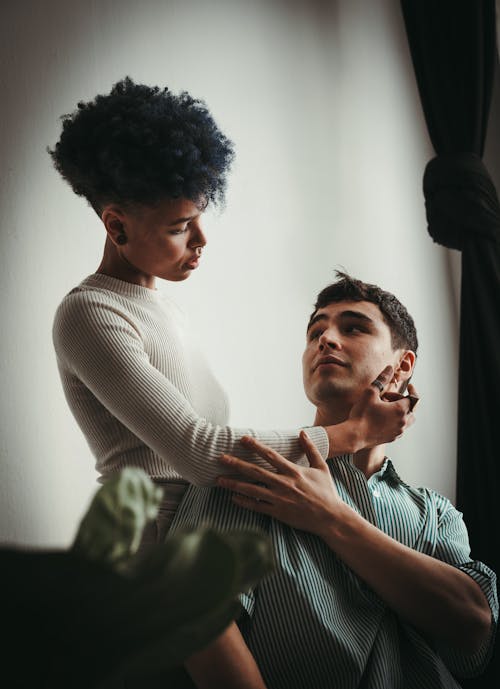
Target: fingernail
x=246, y=439
x=413, y=401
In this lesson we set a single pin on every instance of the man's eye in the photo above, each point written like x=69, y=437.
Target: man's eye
x=175, y=232
x=314, y=334
x=354, y=329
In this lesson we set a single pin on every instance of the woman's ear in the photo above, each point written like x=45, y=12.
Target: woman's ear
x=114, y=221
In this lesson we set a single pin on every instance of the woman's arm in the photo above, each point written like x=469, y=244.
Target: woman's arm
x=226, y=662
x=101, y=347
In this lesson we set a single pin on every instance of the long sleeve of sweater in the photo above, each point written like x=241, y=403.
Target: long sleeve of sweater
x=105, y=347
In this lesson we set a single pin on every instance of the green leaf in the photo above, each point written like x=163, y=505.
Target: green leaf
x=206, y=571
x=111, y=530
x=86, y=625
x=102, y=612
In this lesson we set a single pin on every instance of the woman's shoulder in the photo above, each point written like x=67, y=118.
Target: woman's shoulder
x=102, y=291
x=84, y=299
x=87, y=291
x=103, y=308
x=88, y=310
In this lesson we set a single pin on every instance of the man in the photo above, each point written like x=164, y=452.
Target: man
x=374, y=586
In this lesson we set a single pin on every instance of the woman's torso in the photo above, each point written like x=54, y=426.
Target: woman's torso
x=152, y=331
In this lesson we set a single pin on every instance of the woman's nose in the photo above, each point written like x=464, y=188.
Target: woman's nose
x=198, y=237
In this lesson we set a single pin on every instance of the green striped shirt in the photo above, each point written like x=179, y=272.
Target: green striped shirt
x=314, y=623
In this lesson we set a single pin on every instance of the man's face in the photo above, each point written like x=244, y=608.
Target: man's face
x=348, y=345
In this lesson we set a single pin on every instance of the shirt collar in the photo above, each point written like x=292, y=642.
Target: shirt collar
x=387, y=472
x=125, y=289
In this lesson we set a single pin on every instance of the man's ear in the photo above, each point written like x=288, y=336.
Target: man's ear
x=114, y=221
x=404, y=369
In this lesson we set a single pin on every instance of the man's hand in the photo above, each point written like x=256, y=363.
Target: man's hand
x=437, y=598
x=377, y=418
x=302, y=497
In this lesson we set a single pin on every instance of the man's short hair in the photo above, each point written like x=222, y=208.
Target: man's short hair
x=397, y=318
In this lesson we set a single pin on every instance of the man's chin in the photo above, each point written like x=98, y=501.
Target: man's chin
x=333, y=391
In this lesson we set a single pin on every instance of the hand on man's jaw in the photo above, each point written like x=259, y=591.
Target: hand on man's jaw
x=370, y=407
x=353, y=393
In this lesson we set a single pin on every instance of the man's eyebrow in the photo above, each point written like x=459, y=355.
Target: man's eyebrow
x=315, y=319
x=357, y=314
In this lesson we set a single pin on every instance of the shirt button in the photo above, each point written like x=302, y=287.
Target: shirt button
x=376, y=493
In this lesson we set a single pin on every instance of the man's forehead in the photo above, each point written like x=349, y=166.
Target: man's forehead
x=353, y=309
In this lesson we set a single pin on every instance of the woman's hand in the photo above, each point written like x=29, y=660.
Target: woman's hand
x=377, y=418
x=302, y=497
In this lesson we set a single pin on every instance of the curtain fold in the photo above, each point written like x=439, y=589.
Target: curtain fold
x=453, y=48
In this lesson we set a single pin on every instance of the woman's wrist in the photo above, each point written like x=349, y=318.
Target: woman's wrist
x=343, y=438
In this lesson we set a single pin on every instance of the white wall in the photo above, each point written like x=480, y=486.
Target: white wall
x=320, y=100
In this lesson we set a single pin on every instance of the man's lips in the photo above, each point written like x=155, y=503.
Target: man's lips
x=329, y=360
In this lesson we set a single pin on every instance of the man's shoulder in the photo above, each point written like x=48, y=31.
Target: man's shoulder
x=433, y=499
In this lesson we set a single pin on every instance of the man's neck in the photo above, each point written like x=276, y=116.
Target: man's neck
x=368, y=460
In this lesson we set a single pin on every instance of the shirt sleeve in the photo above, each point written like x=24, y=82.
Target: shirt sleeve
x=103, y=348
x=453, y=548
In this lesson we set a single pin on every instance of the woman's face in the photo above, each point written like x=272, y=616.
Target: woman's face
x=164, y=240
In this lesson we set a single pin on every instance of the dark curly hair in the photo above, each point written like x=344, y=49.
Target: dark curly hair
x=141, y=144
x=347, y=288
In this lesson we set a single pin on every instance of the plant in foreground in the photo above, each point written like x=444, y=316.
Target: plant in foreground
x=87, y=617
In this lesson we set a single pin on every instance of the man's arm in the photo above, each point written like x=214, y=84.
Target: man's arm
x=435, y=597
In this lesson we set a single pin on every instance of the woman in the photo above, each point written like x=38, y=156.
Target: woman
x=149, y=162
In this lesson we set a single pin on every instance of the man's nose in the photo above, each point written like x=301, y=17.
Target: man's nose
x=329, y=339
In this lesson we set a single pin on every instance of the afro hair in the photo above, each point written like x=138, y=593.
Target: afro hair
x=140, y=145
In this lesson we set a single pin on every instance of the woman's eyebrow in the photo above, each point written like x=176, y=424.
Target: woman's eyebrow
x=179, y=220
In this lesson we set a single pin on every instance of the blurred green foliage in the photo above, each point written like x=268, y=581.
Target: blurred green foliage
x=111, y=530
x=89, y=617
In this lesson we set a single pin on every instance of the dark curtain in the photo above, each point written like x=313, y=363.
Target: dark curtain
x=453, y=48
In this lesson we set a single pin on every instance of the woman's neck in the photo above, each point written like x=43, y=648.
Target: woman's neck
x=116, y=266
